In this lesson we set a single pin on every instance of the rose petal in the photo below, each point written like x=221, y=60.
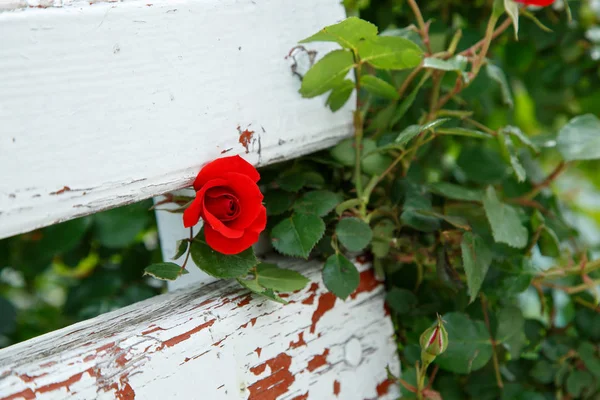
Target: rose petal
x=540, y=3
x=260, y=223
x=220, y=227
x=249, y=196
x=191, y=215
x=219, y=167
x=225, y=245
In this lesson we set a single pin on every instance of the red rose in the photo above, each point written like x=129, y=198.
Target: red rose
x=230, y=203
x=540, y=3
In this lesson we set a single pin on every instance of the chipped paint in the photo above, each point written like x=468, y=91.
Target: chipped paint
x=185, y=336
x=245, y=138
x=317, y=361
x=337, y=387
x=299, y=342
x=326, y=303
x=368, y=283
x=384, y=387
x=301, y=397
x=277, y=383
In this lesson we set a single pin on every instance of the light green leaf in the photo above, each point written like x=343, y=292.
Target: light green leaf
x=496, y=74
x=347, y=33
x=408, y=134
x=458, y=63
x=390, y=52
x=221, y=265
x=340, y=276
x=167, y=271
x=182, y=246
x=344, y=152
x=469, y=347
x=253, y=286
x=378, y=87
x=382, y=234
x=477, y=258
x=353, y=233
x=455, y=192
x=270, y=276
x=464, y=132
x=504, y=220
x=298, y=234
x=402, y=301
x=580, y=138
x=516, y=132
x=512, y=9
x=340, y=95
x=319, y=202
x=327, y=73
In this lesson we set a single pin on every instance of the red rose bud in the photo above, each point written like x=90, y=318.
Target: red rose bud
x=434, y=342
x=230, y=203
x=539, y=3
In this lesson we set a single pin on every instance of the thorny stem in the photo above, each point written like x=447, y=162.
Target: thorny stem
x=189, y=250
x=358, y=136
x=493, y=341
x=560, y=168
x=423, y=27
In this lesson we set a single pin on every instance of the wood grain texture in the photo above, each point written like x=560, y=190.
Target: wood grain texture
x=217, y=342
x=106, y=104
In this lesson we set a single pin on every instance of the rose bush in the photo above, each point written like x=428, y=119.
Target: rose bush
x=230, y=203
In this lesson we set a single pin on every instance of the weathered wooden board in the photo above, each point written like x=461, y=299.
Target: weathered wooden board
x=103, y=104
x=217, y=342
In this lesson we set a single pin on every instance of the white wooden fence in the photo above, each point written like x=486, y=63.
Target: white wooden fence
x=107, y=103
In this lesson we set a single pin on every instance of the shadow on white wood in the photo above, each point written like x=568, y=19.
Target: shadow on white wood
x=218, y=342
x=105, y=104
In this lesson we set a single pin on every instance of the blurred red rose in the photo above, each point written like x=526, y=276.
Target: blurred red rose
x=230, y=203
x=540, y=3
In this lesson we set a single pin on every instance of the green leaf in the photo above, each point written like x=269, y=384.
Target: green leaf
x=278, y=201
x=453, y=220
x=548, y=242
x=344, y=153
x=408, y=100
x=469, y=347
x=589, y=355
x=458, y=63
x=516, y=132
x=347, y=33
x=510, y=330
x=402, y=301
x=504, y=220
x=297, y=235
x=221, y=265
x=408, y=134
x=496, y=74
x=481, y=165
x=340, y=276
x=417, y=199
x=389, y=52
x=512, y=9
x=340, y=95
x=270, y=276
x=464, y=132
x=580, y=138
x=327, y=73
x=182, y=246
x=120, y=227
x=166, y=271
x=378, y=87
x=455, y=192
x=543, y=372
x=8, y=316
x=253, y=286
x=382, y=234
x=477, y=258
x=579, y=382
x=353, y=233
x=507, y=149
x=318, y=202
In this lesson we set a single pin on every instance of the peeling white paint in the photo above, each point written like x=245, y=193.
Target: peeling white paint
x=217, y=342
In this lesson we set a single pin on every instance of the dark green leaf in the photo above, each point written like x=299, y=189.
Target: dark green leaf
x=477, y=258
x=119, y=227
x=469, y=347
x=402, y=301
x=378, y=87
x=389, y=52
x=464, y=132
x=382, y=234
x=221, y=265
x=548, y=242
x=504, y=220
x=182, y=246
x=340, y=95
x=298, y=234
x=455, y=192
x=340, y=276
x=590, y=357
x=347, y=33
x=327, y=73
x=510, y=330
x=481, y=165
x=319, y=202
x=353, y=233
x=8, y=316
x=543, y=372
x=579, y=382
x=580, y=138
x=279, y=201
x=408, y=101
x=166, y=271
x=495, y=73
x=270, y=276
x=455, y=221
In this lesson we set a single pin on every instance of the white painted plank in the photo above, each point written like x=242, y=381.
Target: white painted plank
x=216, y=342
x=106, y=104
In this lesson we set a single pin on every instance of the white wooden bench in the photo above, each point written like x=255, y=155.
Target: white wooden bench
x=107, y=103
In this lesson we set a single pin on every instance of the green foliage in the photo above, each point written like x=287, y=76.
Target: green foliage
x=298, y=234
x=166, y=271
x=221, y=265
x=477, y=258
x=270, y=276
x=340, y=276
x=353, y=233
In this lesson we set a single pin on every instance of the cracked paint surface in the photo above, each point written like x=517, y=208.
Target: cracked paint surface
x=216, y=340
